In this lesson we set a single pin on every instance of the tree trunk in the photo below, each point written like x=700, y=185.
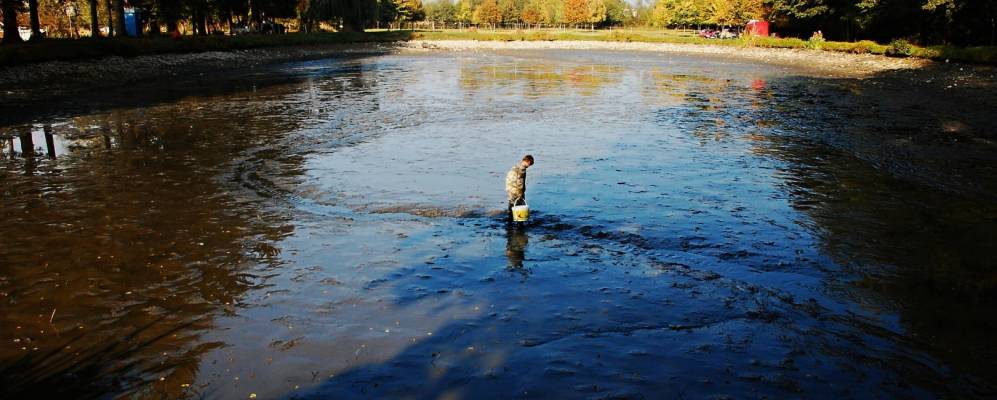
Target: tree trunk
x=119, y=17
x=202, y=22
x=36, y=27
x=110, y=18
x=94, y=20
x=10, y=33
x=154, y=28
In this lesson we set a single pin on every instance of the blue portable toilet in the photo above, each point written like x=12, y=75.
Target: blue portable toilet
x=131, y=21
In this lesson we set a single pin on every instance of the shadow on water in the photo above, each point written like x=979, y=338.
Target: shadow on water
x=93, y=372
x=901, y=192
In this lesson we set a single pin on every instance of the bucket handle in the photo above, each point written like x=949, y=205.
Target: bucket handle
x=518, y=200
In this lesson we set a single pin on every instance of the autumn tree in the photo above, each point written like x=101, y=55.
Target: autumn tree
x=532, y=13
x=552, y=11
x=679, y=12
x=487, y=13
x=576, y=12
x=596, y=13
x=510, y=10
x=442, y=11
x=465, y=11
x=616, y=12
x=409, y=11
x=663, y=14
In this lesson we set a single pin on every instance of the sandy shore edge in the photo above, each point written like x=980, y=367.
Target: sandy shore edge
x=844, y=64
x=128, y=69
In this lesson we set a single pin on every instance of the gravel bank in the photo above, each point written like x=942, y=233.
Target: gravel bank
x=123, y=70
x=844, y=64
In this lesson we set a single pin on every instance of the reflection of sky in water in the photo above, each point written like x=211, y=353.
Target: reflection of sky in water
x=38, y=140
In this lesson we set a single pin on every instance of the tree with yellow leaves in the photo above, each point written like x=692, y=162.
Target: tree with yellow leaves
x=533, y=13
x=487, y=13
x=584, y=12
x=733, y=12
x=596, y=13
x=678, y=12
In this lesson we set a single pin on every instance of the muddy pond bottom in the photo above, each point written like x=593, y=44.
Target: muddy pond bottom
x=699, y=228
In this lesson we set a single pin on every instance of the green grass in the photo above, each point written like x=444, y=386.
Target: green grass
x=68, y=49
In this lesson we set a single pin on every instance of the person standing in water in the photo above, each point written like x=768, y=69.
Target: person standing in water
x=515, y=183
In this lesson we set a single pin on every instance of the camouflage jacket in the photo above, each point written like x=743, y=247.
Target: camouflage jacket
x=515, y=182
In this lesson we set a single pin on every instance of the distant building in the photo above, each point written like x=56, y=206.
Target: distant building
x=757, y=28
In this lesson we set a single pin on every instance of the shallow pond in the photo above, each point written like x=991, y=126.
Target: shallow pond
x=331, y=229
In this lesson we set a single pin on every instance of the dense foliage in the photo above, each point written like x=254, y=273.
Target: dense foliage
x=923, y=22
x=80, y=18
x=963, y=22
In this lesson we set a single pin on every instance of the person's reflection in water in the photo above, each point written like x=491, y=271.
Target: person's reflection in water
x=515, y=249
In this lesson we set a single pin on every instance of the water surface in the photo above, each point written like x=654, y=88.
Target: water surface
x=701, y=228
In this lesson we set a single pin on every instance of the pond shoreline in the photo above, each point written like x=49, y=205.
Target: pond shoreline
x=54, y=78
x=834, y=63
x=49, y=86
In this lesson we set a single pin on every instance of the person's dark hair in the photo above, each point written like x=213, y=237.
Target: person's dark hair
x=528, y=158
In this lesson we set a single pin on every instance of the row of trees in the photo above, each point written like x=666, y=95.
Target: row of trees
x=589, y=13
x=961, y=22
x=65, y=18
x=700, y=12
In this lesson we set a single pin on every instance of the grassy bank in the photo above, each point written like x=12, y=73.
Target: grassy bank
x=977, y=55
x=68, y=49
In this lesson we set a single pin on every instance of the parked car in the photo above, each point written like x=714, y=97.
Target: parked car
x=239, y=30
x=715, y=34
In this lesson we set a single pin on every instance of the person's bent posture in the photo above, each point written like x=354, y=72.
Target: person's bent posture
x=515, y=183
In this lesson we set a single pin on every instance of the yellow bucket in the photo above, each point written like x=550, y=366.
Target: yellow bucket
x=521, y=213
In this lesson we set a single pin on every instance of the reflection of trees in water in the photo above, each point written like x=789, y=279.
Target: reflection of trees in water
x=709, y=108
x=134, y=233
x=927, y=252
x=539, y=80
